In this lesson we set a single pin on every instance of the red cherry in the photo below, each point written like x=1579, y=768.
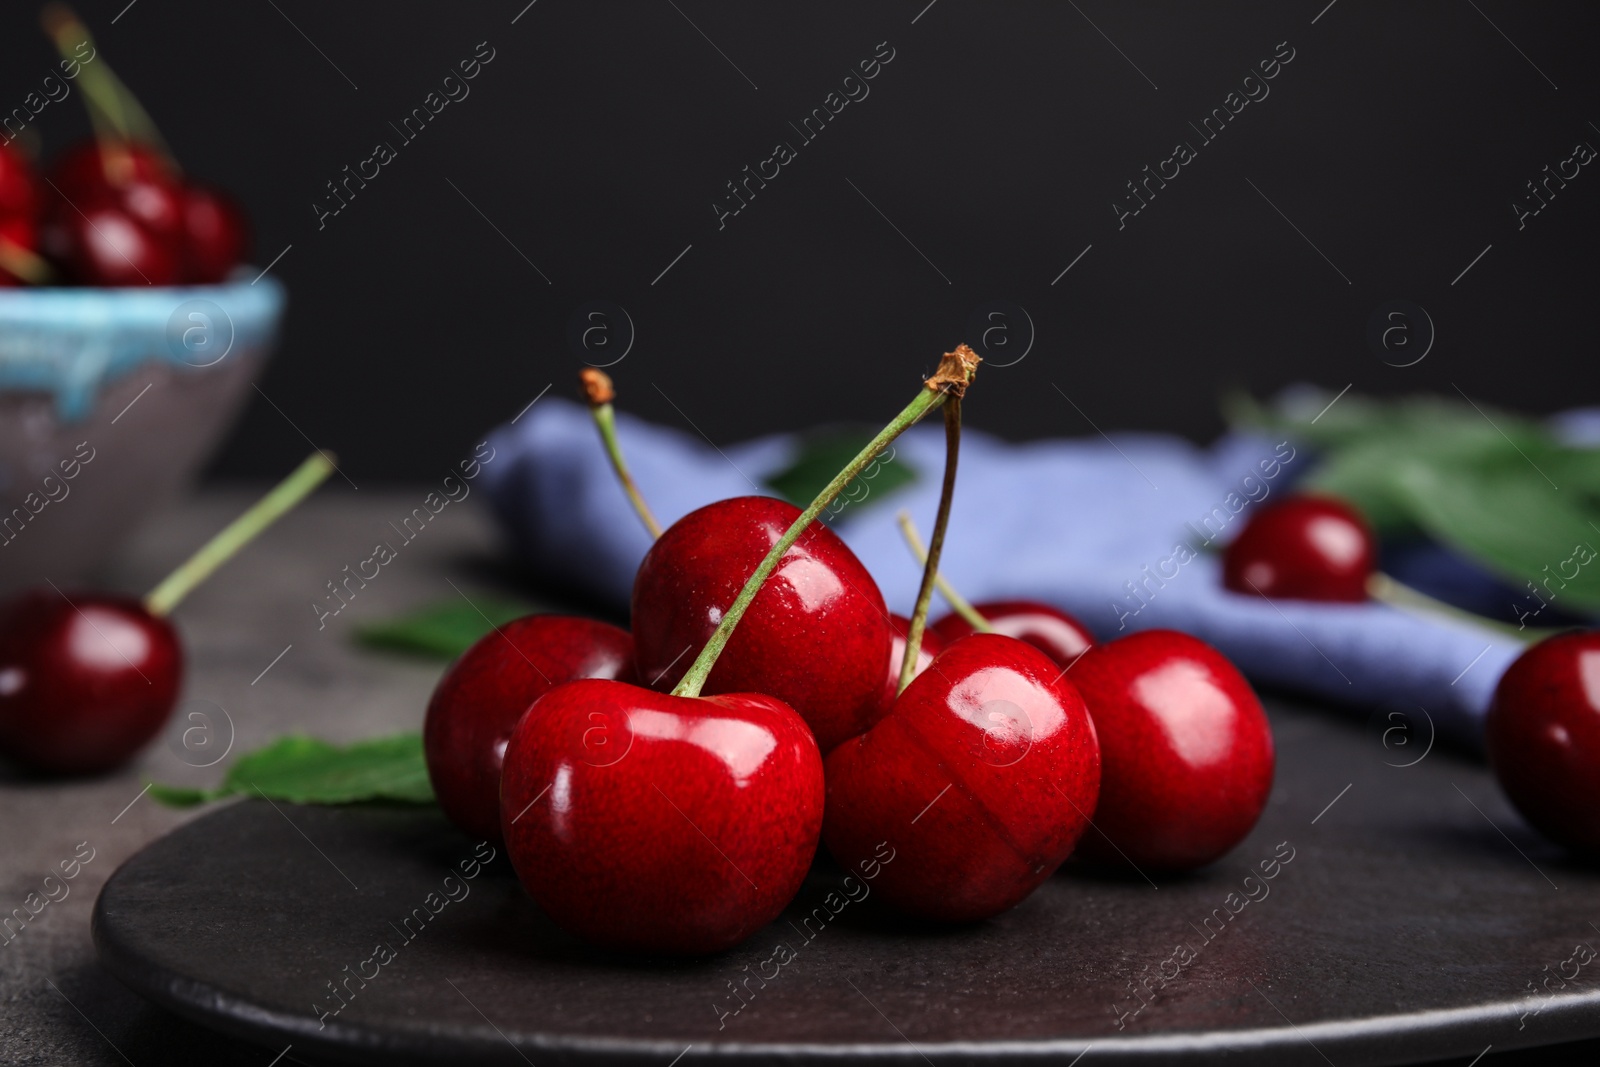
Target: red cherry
x=19, y=207
x=1187, y=750
x=481, y=697
x=83, y=684
x=19, y=186
x=89, y=168
x=1050, y=630
x=816, y=637
x=1304, y=548
x=217, y=234
x=157, y=206
x=978, y=782
x=932, y=645
x=102, y=244
x=654, y=823
x=1543, y=735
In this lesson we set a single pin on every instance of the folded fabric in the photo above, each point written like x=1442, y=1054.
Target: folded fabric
x=1116, y=531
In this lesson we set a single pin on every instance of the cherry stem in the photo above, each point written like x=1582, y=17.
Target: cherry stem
x=114, y=111
x=930, y=565
x=1402, y=597
x=955, y=371
x=597, y=389
x=957, y=602
x=27, y=265
x=238, y=533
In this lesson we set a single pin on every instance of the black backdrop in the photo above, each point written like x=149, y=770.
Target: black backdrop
x=983, y=160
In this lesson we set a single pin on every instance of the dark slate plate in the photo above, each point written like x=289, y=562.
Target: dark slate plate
x=1414, y=920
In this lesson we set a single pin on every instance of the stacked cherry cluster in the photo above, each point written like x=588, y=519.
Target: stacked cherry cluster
x=115, y=210
x=665, y=788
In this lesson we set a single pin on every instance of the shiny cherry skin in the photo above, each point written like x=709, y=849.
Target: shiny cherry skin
x=1050, y=630
x=102, y=244
x=652, y=823
x=1302, y=548
x=485, y=692
x=217, y=236
x=816, y=637
x=85, y=683
x=973, y=789
x=932, y=645
x=1186, y=748
x=1543, y=736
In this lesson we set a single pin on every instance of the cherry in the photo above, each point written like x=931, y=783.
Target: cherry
x=1187, y=750
x=816, y=637
x=1050, y=630
x=19, y=206
x=655, y=823
x=86, y=680
x=103, y=243
x=1543, y=736
x=1304, y=548
x=90, y=168
x=932, y=645
x=217, y=234
x=485, y=692
x=980, y=781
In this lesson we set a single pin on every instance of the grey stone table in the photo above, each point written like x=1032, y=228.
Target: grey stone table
x=261, y=666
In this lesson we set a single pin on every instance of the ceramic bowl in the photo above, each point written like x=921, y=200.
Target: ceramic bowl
x=110, y=401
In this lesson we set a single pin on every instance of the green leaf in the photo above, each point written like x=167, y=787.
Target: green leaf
x=823, y=452
x=443, y=630
x=306, y=770
x=1353, y=419
x=1496, y=488
x=1507, y=516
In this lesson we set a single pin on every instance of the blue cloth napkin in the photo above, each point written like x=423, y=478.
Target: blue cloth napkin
x=1102, y=528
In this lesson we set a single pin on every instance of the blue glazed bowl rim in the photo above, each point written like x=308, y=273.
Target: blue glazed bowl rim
x=71, y=342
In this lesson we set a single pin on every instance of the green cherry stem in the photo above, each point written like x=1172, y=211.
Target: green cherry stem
x=930, y=566
x=957, y=602
x=238, y=533
x=1402, y=597
x=597, y=389
x=955, y=371
x=114, y=112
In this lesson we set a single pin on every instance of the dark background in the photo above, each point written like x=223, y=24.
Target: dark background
x=996, y=140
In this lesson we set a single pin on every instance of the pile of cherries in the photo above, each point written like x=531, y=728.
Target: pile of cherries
x=113, y=211
x=647, y=821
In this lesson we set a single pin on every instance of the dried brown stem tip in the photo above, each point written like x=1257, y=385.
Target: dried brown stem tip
x=597, y=387
x=956, y=371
